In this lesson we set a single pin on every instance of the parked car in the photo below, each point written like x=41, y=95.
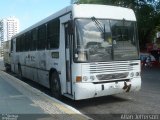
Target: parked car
x=148, y=60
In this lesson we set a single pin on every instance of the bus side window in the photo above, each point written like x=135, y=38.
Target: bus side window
x=22, y=43
x=34, y=39
x=53, y=32
x=27, y=41
x=17, y=44
x=42, y=37
x=12, y=45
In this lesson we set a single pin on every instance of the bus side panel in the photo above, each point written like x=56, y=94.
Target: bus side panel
x=43, y=78
x=27, y=72
x=34, y=72
x=43, y=73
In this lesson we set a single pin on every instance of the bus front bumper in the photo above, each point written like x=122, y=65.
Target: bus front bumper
x=91, y=90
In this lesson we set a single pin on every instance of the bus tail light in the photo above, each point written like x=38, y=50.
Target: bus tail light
x=78, y=79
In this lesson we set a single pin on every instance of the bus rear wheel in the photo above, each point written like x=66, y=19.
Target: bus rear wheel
x=55, y=86
x=19, y=72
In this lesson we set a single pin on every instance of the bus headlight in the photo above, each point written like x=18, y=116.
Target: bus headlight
x=85, y=78
x=131, y=74
x=92, y=78
x=137, y=74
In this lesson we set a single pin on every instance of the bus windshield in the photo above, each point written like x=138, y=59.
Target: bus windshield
x=117, y=42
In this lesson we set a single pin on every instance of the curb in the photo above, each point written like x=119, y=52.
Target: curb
x=49, y=104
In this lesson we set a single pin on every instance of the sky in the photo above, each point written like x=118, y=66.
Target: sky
x=30, y=12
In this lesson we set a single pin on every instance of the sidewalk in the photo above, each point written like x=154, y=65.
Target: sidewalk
x=20, y=101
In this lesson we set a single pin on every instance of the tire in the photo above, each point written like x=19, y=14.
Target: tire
x=7, y=68
x=55, y=86
x=19, y=72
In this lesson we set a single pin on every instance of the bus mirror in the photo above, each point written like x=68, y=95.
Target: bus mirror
x=70, y=27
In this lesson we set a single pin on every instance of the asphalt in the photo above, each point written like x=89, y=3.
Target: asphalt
x=20, y=101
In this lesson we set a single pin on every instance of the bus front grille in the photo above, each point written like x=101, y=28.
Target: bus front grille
x=109, y=67
x=112, y=76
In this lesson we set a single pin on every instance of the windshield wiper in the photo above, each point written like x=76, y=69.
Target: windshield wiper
x=98, y=25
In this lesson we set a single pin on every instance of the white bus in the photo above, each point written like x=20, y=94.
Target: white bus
x=82, y=51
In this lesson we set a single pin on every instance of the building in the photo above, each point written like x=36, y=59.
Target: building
x=8, y=28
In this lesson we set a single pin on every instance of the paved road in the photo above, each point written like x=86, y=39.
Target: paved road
x=146, y=101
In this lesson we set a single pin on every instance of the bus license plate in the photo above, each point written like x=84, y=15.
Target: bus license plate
x=116, y=86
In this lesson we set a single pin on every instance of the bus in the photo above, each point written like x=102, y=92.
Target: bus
x=83, y=51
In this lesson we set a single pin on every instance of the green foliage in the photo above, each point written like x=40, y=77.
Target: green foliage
x=92, y=1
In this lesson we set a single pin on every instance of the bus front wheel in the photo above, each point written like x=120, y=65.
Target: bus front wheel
x=55, y=86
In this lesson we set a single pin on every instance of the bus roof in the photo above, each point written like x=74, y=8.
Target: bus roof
x=103, y=12
x=88, y=11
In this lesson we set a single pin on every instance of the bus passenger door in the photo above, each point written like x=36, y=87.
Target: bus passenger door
x=68, y=57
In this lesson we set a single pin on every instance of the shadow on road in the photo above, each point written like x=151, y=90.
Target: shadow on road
x=94, y=101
